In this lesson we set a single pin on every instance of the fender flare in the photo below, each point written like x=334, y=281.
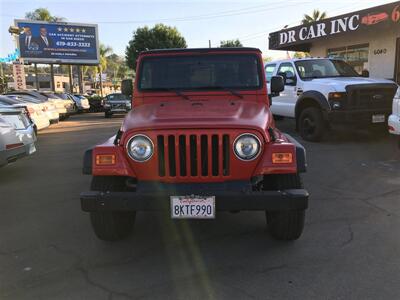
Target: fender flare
x=87, y=162
x=301, y=157
x=315, y=96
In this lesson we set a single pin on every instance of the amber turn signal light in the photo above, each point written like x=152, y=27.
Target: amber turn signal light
x=282, y=158
x=105, y=159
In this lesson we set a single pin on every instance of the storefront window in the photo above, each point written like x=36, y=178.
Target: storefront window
x=356, y=56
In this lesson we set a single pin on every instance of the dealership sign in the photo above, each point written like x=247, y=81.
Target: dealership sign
x=19, y=75
x=377, y=17
x=60, y=43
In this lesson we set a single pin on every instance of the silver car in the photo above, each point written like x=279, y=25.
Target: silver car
x=17, y=135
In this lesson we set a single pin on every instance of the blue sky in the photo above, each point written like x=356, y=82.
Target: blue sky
x=198, y=21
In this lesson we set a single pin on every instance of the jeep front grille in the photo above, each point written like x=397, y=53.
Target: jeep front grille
x=194, y=155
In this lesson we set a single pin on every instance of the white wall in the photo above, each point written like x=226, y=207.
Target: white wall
x=380, y=65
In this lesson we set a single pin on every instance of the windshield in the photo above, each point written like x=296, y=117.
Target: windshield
x=237, y=71
x=323, y=68
x=117, y=97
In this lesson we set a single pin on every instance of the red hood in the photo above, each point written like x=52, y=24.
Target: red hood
x=185, y=114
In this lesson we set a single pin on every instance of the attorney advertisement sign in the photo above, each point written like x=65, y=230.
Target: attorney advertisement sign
x=376, y=18
x=60, y=43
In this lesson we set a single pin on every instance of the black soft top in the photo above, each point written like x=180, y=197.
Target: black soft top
x=200, y=50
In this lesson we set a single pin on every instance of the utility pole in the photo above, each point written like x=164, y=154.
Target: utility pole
x=3, y=89
x=36, y=78
x=209, y=43
x=80, y=78
x=71, y=86
x=52, y=85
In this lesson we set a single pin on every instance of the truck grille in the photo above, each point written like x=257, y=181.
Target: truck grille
x=193, y=155
x=370, y=96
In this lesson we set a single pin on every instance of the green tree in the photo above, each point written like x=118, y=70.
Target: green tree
x=230, y=44
x=105, y=52
x=159, y=37
x=314, y=17
x=301, y=54
x=43, y=14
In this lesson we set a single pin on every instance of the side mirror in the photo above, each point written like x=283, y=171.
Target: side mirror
x=127, y=87
x=277, y=84
x=365, y=73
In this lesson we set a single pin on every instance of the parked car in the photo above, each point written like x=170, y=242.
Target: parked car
x=116, y=103
x=81, y=102
x=35, y=110
x=69, y=104
x=17, y=135
x=198, y=141
x=96, y=103
x=43, y=97
x=394, y=119
x=47, y=107
x=322, y=92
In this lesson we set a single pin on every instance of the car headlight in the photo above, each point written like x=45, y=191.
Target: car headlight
x=247, y=146
x=140, y=148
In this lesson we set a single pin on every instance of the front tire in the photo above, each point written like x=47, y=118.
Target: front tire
x=111, y=225
x=285, y=225
x=107, y=115
x=311, y=124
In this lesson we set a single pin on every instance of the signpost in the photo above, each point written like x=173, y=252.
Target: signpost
x=19, y=75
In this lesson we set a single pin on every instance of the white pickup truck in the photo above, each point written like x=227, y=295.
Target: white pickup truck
x=394, y=119
x=320, y=92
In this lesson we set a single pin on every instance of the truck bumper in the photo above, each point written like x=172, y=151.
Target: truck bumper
x=295, y=199
x=394, y=124
x=357, y=117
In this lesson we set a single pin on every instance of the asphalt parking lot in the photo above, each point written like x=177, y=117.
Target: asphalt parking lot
x=349, y=250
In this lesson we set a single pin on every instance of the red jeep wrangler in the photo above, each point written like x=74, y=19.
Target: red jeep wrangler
x=199, y=139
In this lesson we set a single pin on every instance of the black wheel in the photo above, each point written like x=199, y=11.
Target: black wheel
x=311, y=124
x=285, y=225
x=107, y=115
x=111, y=225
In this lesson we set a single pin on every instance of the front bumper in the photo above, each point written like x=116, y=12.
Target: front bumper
x=394, y=124
x=358, y=117
x=296, y=199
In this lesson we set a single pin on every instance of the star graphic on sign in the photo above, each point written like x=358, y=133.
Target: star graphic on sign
x=78, y=30
x=65, y=29
x=83, y=30
x=71, y=30
x=59, y=29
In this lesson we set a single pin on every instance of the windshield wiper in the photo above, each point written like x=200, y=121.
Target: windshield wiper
x=233, y=92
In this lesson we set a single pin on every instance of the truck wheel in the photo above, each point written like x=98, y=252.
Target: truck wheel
x=111, y=225
x=311, y=124
x=286, y=225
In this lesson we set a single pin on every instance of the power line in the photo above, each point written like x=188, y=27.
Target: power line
x=243, y=11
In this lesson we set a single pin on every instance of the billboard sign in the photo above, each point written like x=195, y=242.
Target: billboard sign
x=300, y=37
x=59, y=43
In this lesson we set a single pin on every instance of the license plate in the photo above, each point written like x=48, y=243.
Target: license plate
x=192, y=207
x=378, y=118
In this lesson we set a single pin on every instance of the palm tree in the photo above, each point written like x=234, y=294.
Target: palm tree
x=105, y=51
x=316, y=16
x=43, y=14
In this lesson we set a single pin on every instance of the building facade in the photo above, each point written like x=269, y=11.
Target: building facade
x=368, y=40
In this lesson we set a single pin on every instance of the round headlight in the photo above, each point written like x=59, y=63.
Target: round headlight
x=247, y=146
x=140, y=148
